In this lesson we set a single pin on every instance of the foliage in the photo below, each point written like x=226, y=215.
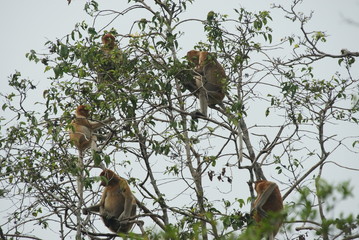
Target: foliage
x=184, y=171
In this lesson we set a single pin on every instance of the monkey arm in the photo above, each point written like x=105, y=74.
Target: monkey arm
x=187, y=79
x=96, y=208
x=128, y=205
x=263, y=198
x=97, y=124
x=108, y=120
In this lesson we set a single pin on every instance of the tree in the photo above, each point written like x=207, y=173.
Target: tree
x=177, y=165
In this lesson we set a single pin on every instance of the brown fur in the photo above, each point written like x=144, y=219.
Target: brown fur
x=211, y=81
x=268, y=200
x=81, y=131
x=108, y=41
x=117, y=203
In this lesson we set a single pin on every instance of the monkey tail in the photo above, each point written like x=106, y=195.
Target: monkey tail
x=80, y=188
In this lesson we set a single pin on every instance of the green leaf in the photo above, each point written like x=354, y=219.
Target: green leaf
x=92, y=31
x=64, y=51
x=96, y=158
x=340, y=61
x=47, y=68
x=267, y=112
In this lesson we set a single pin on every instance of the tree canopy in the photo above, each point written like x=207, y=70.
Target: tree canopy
x=192, y=176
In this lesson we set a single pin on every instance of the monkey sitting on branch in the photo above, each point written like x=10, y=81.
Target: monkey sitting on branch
x=117, y=206
x=269, y=200
x=208, y=82
x=109, y=60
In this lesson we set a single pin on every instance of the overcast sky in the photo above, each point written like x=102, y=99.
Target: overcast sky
x=27, y=25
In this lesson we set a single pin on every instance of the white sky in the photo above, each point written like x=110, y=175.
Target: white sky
x=28, y=25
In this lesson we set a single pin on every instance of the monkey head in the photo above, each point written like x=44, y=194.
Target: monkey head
x=258, y=186
x=83, y=110
x=108, y=40
x=108, y=178
x=193, y=56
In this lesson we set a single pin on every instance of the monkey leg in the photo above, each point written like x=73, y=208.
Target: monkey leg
x=197, y=114
x=94, y=143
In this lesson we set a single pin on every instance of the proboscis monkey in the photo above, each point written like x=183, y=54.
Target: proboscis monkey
x=82, y=129
x=117, y=203
x=209, y=83
x=109, y=60
x=108, y=41
x=268, y=200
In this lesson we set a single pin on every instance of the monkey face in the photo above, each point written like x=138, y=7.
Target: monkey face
x=108, y=177
x=83, y=110
x=104, y=178
x=108, y=40
x=193, y=56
